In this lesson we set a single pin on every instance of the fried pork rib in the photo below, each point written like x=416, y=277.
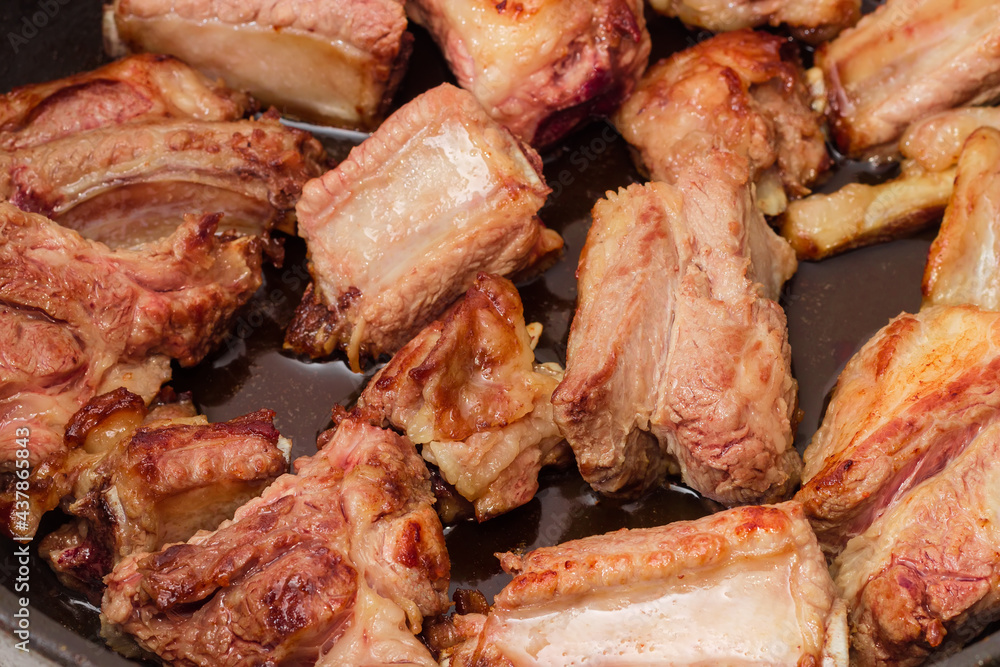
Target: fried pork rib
x=468, y=391
x=401, y=228
x=859, y=214
x=905, y=61
x=137, y=89
x=141, y=481
x=351, y=538
x=924, y=578
x=541, y=67
x=336, y=62
x=678, y=356
x=737, y=92
x=962, y=264
x=745, y=586
x=79, y=320
x=814, y=21
x=911, y=399
x=132, y=183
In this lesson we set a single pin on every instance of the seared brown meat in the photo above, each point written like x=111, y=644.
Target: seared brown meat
x=906, y=60
x=336, y=62
x=739, y=92
x=812, y=20
x=908, y=402
x=137, y=489
x=745, y=586
x=80, y=319
x=401, y=228
x=962, y=267
x=468, y=391
x=541, y=67
x=936, y=142
x=859, y=214
x=131, y=183
x=678, y=356
x=353, y=529
x=925, y=577
x=137, y=89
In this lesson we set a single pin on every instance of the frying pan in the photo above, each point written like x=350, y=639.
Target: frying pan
x=832, y=307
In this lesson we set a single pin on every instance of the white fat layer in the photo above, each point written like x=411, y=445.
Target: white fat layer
x=746, y=618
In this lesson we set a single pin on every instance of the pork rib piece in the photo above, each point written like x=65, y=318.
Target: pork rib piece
x=814, y=21
x=936, y=142
x=142, y=481
x=911, y=399
x=541, y=67
x=739, y=91
x=136, y=89
x=678, y=356
x=744, y=586
x=333, y=62
x=924, y=578
x=79, y=320
x=963, y=260
x=860, y=214
x=351, y=537
x=468, y=391
x=401, y=228
x=132, y=183
x=905, y=61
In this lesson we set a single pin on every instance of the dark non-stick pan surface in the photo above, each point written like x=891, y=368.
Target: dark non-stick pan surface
x=833, y=307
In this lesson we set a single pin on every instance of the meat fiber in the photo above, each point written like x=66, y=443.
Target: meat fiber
x=678, y=356
x=297, y=569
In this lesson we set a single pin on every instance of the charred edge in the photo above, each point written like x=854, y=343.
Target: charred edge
x=97, y=410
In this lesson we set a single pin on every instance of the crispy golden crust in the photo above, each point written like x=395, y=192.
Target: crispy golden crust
x=356, y=519
x=468, y=391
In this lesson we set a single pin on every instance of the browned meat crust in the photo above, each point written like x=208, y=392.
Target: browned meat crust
x=80, y=319
x=741, y=91
x=356, y=521
x=468, y=391
x=813, y=21
x=136, y=489
x=130, y=183
x=962, y=263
